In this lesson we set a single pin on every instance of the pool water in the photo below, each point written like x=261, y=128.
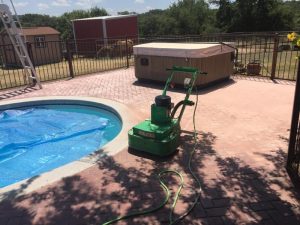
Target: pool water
x=38, y=139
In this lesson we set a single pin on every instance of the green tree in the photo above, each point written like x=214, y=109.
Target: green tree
x=150, y=23
x=183, y=17
x=281, y=18
x=253, y=15
x=224, y=15
x=35, y=20
x=126, y=13
x=244, y=18
x=293, y=9
x=262, y=14
x=191, y=16
x=272, y=15
x=95, y=11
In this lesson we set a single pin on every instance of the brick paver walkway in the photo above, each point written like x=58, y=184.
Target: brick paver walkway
x=243, y=130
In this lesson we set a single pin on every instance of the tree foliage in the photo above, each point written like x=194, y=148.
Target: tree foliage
x=95, y=11
x=32, y=20
x=224, y=15
x=182, y=17
x=187, y=17
x=126, y=13
x=254, y=15
x=293, y=7
x=152, y=22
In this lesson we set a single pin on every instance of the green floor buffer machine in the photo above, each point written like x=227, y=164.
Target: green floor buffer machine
x=159, y=136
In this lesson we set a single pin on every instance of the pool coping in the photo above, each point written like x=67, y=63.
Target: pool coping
x=128, y=117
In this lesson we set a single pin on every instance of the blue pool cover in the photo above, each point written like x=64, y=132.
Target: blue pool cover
x=38, y=139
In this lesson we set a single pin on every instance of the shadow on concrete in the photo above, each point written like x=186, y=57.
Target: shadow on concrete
x=263, y=79
x=152, y=157
x=180, y=89
x=13, y=194
x=232, y=191
x=17, y=92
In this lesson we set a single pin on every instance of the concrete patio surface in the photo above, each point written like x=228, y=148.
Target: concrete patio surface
x=243, y=128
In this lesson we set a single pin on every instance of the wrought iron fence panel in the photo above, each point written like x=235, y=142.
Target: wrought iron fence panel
x=59, y=59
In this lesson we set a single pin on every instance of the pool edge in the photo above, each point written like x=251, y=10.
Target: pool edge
x=126, y=115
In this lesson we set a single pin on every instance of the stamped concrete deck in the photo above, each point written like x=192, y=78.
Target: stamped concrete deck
x=243, y=130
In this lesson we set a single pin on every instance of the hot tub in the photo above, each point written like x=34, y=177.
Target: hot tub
x=152, y=59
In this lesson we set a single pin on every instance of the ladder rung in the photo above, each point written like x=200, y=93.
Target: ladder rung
x=27, y=67
x=32, y=77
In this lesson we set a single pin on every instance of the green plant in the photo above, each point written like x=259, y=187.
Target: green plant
x=295, y=39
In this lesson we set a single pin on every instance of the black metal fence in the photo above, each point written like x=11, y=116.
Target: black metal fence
x=58, y=59
x=269, y=54
x=272, y=54
x=293, y=162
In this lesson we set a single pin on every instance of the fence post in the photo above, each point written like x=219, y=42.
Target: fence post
x=295, y=119
x=29, y=50
x=275, y=52
x=30, y=53
x=127, y=57
x=69, y=58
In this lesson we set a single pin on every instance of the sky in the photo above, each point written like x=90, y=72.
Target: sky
x=58, y=7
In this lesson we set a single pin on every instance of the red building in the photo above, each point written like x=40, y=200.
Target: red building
x=90, y=33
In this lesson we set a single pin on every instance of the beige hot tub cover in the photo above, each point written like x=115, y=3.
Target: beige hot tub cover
x=182, y=50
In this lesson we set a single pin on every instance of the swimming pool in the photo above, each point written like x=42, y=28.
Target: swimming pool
x=38, y=138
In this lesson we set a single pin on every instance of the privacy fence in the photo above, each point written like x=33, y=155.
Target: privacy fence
x=268, y=55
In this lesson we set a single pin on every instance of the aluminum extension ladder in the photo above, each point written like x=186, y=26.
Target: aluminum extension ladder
x=15, y=35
